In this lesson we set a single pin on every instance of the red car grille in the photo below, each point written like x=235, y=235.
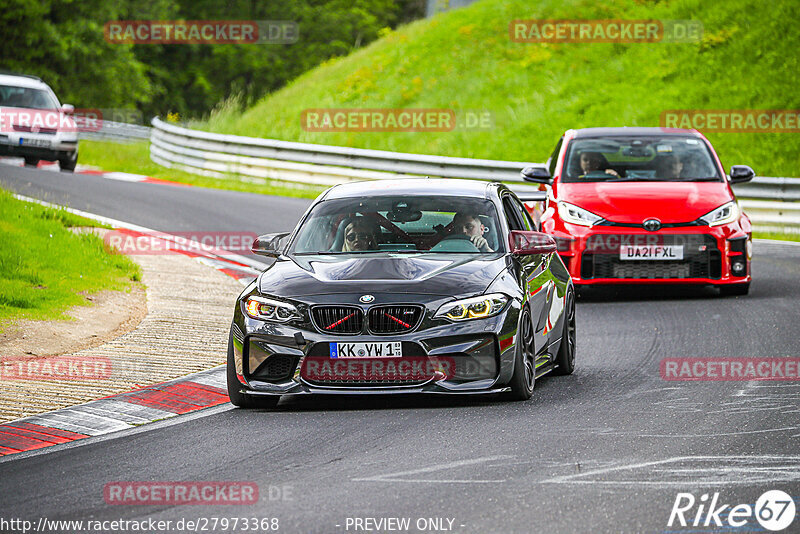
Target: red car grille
x=701, y=259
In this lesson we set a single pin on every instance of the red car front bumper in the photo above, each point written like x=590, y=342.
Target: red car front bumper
x=719, y=255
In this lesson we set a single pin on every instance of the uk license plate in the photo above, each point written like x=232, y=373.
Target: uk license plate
x=651, y=252
x=388, y=349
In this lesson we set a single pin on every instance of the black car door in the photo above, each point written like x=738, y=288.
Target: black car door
x=533, y=275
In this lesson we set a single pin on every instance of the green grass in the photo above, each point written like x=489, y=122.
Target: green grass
x=43, y=265
x=135, y=158
x=777, y=236
x=464, y=60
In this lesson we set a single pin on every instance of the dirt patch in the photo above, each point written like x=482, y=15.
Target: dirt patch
x=109, y=315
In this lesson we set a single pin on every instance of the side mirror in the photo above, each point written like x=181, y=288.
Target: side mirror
x=67, y=109
x=523, y=243
x=741, y=173
x=540, y=175
x=270, y=245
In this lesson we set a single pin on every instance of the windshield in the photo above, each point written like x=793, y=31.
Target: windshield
x=400, y=224
x=26, y=97
x=663, y=159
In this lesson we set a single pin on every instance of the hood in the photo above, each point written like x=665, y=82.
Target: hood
x=633, y=202
x=40, y=120
x=433, y=274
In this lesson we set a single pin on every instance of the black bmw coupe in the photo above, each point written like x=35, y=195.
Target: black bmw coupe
x=404, y=286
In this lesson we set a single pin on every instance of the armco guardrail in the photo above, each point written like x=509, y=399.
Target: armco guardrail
x=768, y=201
x=117, y=131
x=217, y=155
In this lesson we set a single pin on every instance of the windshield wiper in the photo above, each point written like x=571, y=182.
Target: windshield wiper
x=633, y=179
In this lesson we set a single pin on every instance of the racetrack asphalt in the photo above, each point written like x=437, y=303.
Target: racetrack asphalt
x=606, y=449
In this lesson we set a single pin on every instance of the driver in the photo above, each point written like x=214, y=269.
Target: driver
x=359, y=235
x=471, y=226
x=594, y=161
x=670, y=167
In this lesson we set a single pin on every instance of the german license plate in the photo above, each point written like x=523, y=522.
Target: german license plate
x=27, y=141
x=388, y=349
x=651, y=252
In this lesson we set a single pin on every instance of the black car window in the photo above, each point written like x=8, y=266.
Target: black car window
x=513, y=216
x=527, y=221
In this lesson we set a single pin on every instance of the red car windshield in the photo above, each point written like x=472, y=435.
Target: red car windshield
x=639, y=159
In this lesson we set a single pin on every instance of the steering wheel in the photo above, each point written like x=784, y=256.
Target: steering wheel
x=461, y=243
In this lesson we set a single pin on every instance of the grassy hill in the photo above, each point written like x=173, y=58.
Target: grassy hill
x=465, y=60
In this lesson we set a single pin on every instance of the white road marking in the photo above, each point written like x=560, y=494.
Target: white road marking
x=753, y=471
x=393, y=477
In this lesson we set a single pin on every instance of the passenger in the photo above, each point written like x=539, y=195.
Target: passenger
x=359, y=235
x=670, y=167
x=469, y=224
x=595, y=161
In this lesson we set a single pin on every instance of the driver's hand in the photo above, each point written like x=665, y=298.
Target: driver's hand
x=612, y=172
x=480, y=242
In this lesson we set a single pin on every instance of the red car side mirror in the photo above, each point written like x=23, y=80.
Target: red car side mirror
x=523, y=243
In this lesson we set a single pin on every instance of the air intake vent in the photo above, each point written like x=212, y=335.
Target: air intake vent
x=338, y=319
x=393, y=319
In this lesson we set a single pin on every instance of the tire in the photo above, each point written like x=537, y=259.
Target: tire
x=738, y=290
x=524, y=377
x=235, y=395
x=68, y=163
x=565, y=359
x=31, y=162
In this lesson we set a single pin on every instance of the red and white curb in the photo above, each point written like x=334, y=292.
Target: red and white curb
x=117, y=412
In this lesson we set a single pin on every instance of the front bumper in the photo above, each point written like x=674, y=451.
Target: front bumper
x=58, y=145
x=718, y=255
x=472, y=357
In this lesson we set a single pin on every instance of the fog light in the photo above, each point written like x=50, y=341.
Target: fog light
x=738, y=267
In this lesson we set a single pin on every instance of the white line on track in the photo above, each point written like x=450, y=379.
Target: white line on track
x=393, y=477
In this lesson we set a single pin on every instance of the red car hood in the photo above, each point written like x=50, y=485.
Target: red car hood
x=633, y=202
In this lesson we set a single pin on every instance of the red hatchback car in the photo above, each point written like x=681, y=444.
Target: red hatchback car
x=645, y=205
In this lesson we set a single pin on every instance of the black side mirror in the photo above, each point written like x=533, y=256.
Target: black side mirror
x=741, y=173
x=270, y=245
x=540, y=175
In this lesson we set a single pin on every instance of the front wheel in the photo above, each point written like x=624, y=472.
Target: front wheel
x=565, y=359
x=68, y=162
x=524, y=376
x=235, y=395
x=31, y=162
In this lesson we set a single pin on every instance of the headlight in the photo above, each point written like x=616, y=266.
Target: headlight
x=473, y=308
x=575, y=215
x=727, y=213
x=270, y=310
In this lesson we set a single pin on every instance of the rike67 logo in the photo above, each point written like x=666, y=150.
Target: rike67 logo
x=774, y=511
